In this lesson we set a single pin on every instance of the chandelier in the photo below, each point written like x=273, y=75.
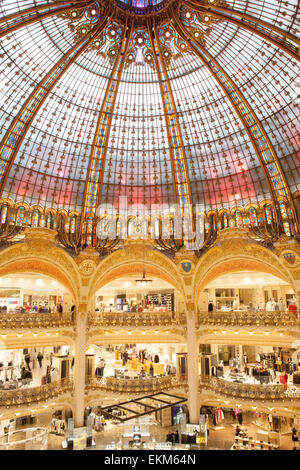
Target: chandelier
x=143, y=282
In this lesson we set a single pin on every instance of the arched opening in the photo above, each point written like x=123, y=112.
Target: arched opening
x=131, y=293
x=241, y=300
x=240, y=265
x=29, y=292
x=40, y=267
x=246, y=290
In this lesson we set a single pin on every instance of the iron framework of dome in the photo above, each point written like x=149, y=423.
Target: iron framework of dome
x=160, y=102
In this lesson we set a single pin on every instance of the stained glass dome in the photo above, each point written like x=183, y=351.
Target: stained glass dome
x=193, y=102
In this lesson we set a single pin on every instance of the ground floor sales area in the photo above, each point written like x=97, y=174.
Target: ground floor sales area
x=224, y=428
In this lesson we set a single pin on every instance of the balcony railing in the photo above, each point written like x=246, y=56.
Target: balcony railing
x=251, y=391
x=247, y=318
x=21, y=396
x=135, y=319
x=34, y=320
x=148, y=384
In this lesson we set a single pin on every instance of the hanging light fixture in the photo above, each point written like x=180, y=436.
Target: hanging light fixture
x=143, y=282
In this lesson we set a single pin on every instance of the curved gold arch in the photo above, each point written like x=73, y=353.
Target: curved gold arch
x=39, y=253
x=237, y=265
x=132, y=255
x=38, y=266
x=136, y=269
x=235, y=253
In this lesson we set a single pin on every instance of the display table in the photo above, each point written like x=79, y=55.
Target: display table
x=268, y=436
x=136, y=434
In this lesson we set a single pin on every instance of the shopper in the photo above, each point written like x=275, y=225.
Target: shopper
x=125, y=357
x=73, y=310
x=282, y=307
x=293, y=308
x=40, y=358
x=151, y=370
x=269, y=306
x=27, y=360
x=23, y=369
x=210, y=306
x=294, y=436
x=59, y=308
x=143, y=373
x=101, y=367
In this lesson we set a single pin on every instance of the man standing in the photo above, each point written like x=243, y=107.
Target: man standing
x=40, y=358
x=27, y=360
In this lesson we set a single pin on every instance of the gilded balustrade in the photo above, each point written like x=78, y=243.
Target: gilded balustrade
x=250, y=391
x=23, y=395
x=139, y=385
x=134, y=319
x=34, y=320
x=247, y=318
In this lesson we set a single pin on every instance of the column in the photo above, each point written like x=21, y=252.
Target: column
x=193, y=372
x=79, y=365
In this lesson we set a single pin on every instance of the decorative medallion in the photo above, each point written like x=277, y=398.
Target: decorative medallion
x=291, y=258
x=186, y=267
x=87, y=266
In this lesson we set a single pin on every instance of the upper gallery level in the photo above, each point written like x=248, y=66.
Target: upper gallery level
x=237, y=284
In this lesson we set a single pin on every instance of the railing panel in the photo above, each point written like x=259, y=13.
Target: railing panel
x=28, y=395
x=149, y=384
x=135, y=319
x=247, y=318
x=34, y=320
x=251, y=391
